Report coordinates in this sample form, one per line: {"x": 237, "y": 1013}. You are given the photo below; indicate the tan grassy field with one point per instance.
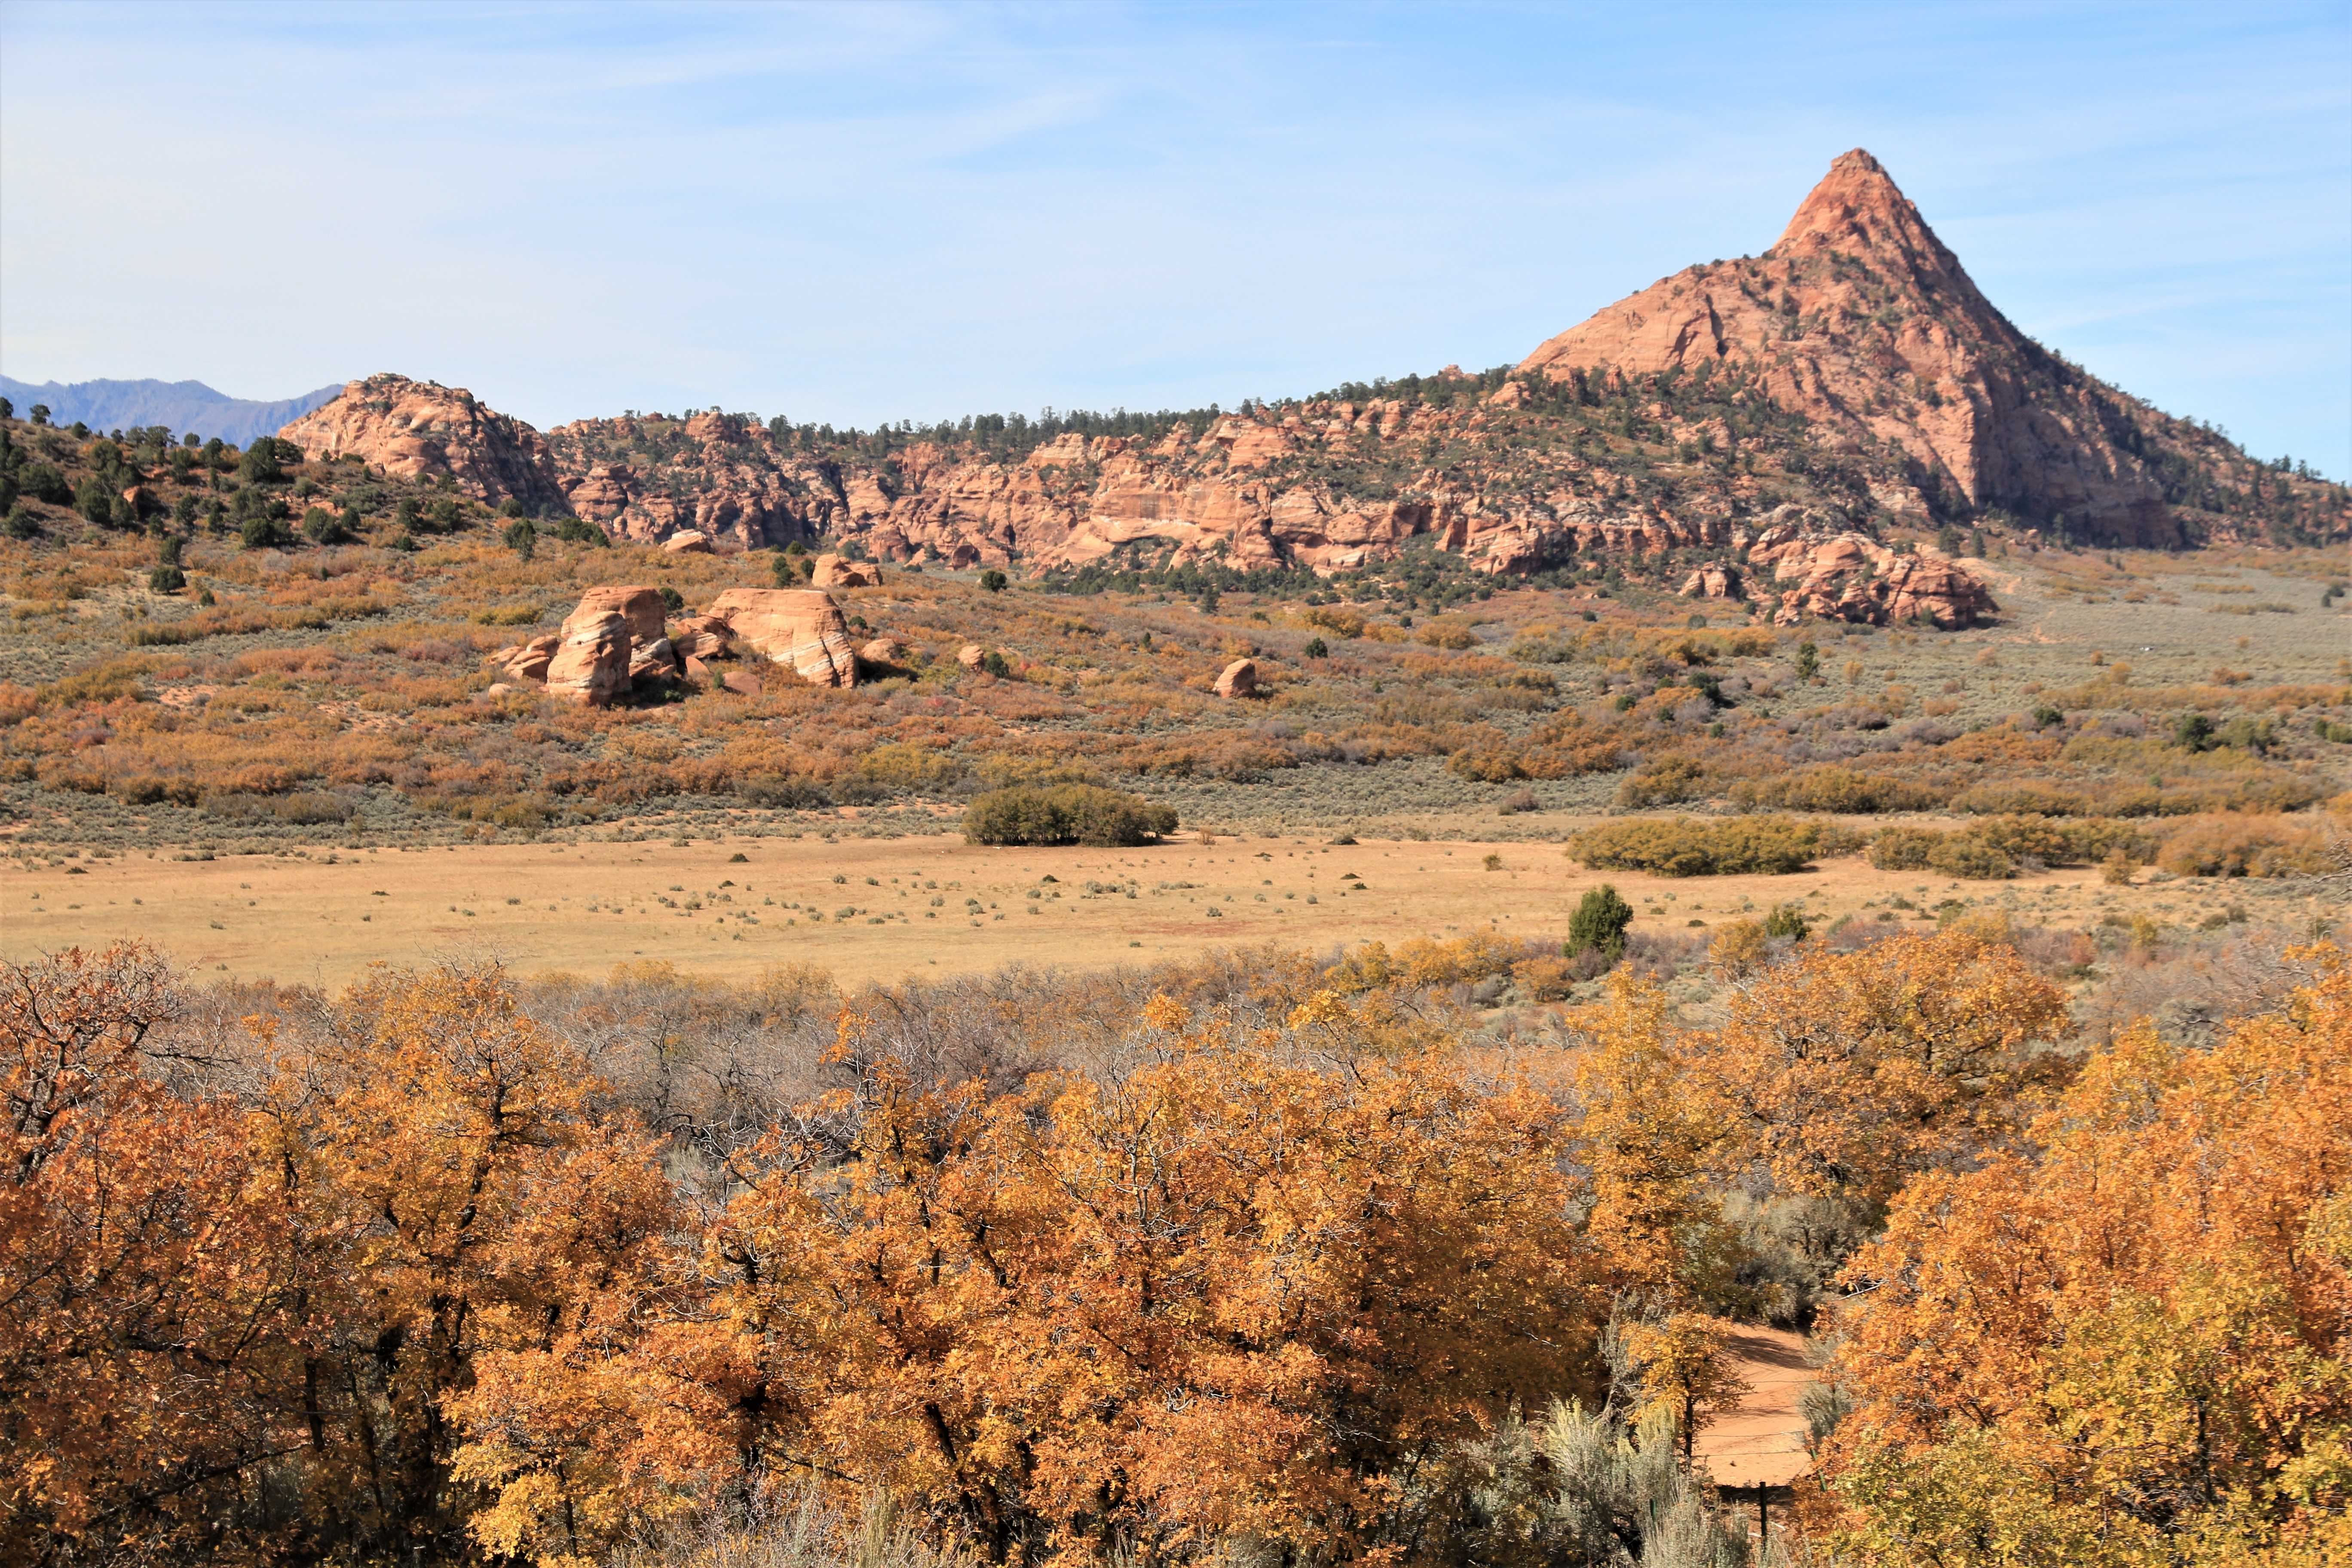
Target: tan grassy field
{"x": 887, "y": 908}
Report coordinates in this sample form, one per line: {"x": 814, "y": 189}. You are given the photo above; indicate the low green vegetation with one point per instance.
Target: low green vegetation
{"x": 1065, "y": 814}
{"x": 1688, "y": 847}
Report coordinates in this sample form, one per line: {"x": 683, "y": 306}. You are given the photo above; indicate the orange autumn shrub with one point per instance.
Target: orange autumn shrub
{"x": 2254, "y": 846}
{"x": 2128, "y": 1343}
{"x": 1230, "y": 1296}
{"x": 1844, "y": 1073}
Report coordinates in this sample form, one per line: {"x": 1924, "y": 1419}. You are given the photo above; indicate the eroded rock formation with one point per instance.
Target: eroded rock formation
{"x": 1850, "y": 576}
{"x": 591, "y": 664}
{"x": 421, "y": 429}
{"x": 1854, "y": 370}
{"x": 616, "y": 637}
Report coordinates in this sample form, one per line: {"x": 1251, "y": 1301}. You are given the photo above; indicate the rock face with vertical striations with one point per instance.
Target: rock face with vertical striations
{"x": 421, "y": 429}
{"x": 799, "y": 628}
{"x": 591, "y": 667}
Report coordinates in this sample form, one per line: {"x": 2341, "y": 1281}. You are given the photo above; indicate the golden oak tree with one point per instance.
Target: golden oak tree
{"x": 2135, "y": 1345}
{"x": 449, "y": 1160}
{"x": 1650, "y": 1129}
{"x": 1686, "y": 1369}
{"x": 1842, "y": 1073}
{"x": 148, "y": 1284}
{"x": 1235, "y": 1294}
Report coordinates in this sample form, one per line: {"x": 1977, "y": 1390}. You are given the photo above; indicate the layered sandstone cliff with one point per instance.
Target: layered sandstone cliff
{"x": 1853, "y": 371}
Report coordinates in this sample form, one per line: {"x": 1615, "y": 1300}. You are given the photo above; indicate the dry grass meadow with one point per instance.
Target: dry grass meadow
{"x": 889, "y": 908}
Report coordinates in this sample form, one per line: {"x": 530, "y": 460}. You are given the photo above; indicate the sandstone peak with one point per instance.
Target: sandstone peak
{"x": 1858, "y": 210}
{"x": 1861, "y": 322}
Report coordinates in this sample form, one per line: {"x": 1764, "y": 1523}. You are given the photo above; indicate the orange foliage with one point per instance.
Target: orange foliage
{"x": 1846, "y": 1072}
{"x": 1230, "y": 1294}
{"x": 151, "y": 1288}
{"x": 2127, "y": 1346}
{"x": 416, "y": 1288}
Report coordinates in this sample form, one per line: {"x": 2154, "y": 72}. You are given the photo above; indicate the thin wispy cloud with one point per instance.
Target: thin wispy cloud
{"x": 867, "y": 212}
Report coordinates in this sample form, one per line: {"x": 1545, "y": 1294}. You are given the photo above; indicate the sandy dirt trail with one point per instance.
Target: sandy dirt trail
{"x": 1762, "y": 1442}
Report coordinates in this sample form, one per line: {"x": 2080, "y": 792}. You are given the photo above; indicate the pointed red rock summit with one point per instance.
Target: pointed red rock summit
{"x": 1861, "y": 320}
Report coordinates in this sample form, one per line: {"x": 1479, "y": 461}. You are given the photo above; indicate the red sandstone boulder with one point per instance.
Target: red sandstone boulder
{"x": 654, "y": 663}
{"x": 529, "y": 661}
{"x": 689, "y": 542}
{"x": 639, "y": 606}
{"x": 1239, "y": 679}
{"x": 799, "y": 627}
{"x": 835, "y": 572}
{"x": 699, "y": 637}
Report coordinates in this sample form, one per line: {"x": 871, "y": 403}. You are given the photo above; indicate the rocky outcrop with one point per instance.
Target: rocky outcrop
{"x": 647, "y": 478}
{"x": 800, "y": 628}
{"x": 971, "y": 656}
{"x": 701, "y": 637}
{"x": 1850, "y": 576}
{"x": 528, "y": 661}
{"x": 1238, "y": 678}
{"x": 653, "y": 663}
{"x": 592, "y": 664}
{"x": 1714, "y": 581}
{"x": 422, "y": 430}
{"x": 691, "y": 542}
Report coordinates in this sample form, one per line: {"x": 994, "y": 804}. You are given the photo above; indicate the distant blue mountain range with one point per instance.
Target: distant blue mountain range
{"x": 185, "y": 406}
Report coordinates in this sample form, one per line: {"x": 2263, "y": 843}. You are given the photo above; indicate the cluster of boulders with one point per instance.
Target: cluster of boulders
{"x": 1850, "y": 576}
{"x": 620, "y": 639}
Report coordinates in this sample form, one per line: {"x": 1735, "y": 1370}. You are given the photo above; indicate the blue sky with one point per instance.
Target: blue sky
{"x": 872, "y": 212}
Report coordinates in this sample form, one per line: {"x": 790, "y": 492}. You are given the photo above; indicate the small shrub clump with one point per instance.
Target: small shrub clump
{"x": 1066, "y": 814}
{"x": 2235, "y": 845}
{"x": 1996, "y": 850}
